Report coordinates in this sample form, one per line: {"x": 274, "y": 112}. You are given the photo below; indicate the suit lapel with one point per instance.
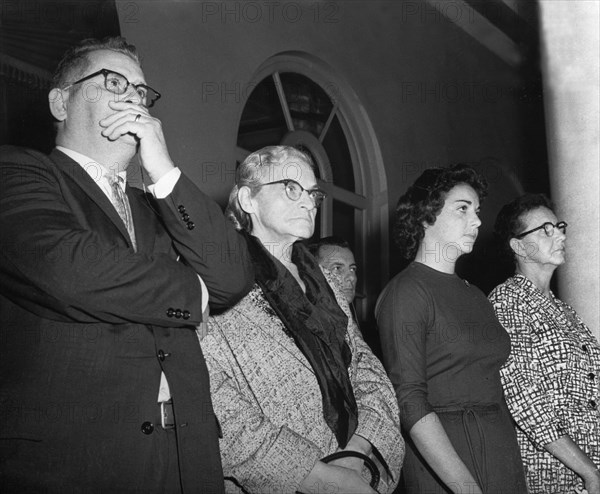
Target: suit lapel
{"x": 72, "y": 170}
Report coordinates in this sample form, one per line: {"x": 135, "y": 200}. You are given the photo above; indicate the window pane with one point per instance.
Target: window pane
{"x": 343, "y": 222}
{"x": 262, "y": 123}
{"x": 309, "y": 105}
{"x": 336, "y": 146}
{"x": 317, "y": 233}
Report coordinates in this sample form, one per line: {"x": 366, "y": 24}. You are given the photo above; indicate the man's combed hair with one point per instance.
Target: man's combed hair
{"x": 509, "y": 222}
{"x": 75, "y": 61}
{"x": 424, "y": 200}
{"x": 332, "y": 241}
{"x": 255, "y": 170}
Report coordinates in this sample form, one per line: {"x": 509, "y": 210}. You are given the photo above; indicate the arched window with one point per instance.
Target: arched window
{"x": 290, "y": 108}
{"x": 295, "y": 100}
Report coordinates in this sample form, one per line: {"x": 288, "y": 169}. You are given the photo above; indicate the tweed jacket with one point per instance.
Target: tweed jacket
{"x": 269, "y": 404}
{"x": 550, "y": 381}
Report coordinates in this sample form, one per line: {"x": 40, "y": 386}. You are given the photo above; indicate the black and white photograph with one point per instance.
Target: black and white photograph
{"x": 300, "y": 246}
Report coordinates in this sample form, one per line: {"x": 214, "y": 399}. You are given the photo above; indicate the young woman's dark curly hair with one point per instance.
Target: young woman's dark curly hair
{"x": 424, "y": 200}
{"x": 509, "y": 221}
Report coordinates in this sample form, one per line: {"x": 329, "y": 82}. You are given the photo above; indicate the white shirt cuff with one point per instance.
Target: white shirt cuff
{"x": 204, "y": 295}
{"x": 165, "y": 184}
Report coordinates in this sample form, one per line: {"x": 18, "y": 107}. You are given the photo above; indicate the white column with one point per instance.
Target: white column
{"x": 570, "y": 54}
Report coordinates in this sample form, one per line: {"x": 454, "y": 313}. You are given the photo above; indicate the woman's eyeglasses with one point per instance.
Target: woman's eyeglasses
{"x": 294, "y": 191}
{"x": 548, "y": 228}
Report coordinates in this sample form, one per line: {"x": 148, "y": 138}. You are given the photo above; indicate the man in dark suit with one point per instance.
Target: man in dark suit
{"x": 103, "y": 386}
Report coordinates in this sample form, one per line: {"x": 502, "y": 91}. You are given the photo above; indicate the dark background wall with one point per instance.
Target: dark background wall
{"x": 433, "y": 89}
{"x": 33, "y": 37}
{"x": 433, "y": 92}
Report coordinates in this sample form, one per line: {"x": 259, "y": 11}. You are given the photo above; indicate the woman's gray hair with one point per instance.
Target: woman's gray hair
{"x": 253, "y": 171}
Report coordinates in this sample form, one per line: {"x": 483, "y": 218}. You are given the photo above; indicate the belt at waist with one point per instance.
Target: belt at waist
{"x": 167, "y": 417}
{"x": 463, "y": 407}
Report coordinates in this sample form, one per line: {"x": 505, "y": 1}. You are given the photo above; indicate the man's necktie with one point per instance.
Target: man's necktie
{"x": 121, "y": 204}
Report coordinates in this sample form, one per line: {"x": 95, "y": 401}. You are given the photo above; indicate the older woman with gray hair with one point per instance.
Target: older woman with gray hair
{"x": 292, "y": 381}
{"x": 551, "y": 376}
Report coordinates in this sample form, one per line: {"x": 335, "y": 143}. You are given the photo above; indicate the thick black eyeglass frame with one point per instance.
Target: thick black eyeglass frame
{"x": 561, "y": 225}
{"x": 318, "y": 200}
{"x": 106, "y": 72}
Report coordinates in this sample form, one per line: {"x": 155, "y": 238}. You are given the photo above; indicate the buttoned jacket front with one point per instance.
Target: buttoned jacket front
{"x": 551, "y": 380}
{"x": 87, "y": 325}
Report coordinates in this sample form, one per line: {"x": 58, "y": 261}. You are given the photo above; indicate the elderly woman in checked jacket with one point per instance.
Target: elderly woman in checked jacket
{"x": 292, "y": 380}
{"x": 551, "y": 377}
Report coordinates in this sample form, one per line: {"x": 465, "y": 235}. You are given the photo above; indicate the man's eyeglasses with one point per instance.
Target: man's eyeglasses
{"x": 118, "y": 84}
{"x": 294, "y": 191}
{"x": 548, "y": 228}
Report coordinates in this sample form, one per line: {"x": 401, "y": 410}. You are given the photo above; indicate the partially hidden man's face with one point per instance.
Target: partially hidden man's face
{"x": 88, "y": 102}
{"x": 340, "y": 261}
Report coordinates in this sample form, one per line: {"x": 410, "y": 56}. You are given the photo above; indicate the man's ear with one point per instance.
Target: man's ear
{"x": 245, "y": 198}
{"x": 58, "y": 101}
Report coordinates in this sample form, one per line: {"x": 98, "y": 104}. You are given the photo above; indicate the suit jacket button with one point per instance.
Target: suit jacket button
{"x": 147, "y": 428}
{"x": 161, "y": 355}
{"x": 186, "y": 314}
{"x": 180, "y": 208}
{"x": 178, "y": 313}
{"x": 170, "y": 312}
{"x": 593, "y": 404}
{"x": 185, "y": 217}
{"x": 190, "y": 225}
{"x": 591, "y": 376}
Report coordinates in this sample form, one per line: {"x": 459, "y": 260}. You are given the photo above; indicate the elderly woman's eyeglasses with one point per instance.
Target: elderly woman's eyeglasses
{"x": 548, "y": 228}
{"x": 118, "y": 84}
{"x": 294, "y": 191}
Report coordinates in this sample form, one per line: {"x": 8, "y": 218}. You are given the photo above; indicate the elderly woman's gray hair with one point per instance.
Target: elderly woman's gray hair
{"x": 255, "y": 170}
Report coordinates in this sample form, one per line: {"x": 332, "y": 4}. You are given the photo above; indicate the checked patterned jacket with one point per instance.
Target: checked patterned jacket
{"x": 551, "y": 381}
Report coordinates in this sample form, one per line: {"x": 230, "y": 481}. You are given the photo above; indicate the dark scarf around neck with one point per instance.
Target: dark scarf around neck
{"x": 318, "y": 326}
